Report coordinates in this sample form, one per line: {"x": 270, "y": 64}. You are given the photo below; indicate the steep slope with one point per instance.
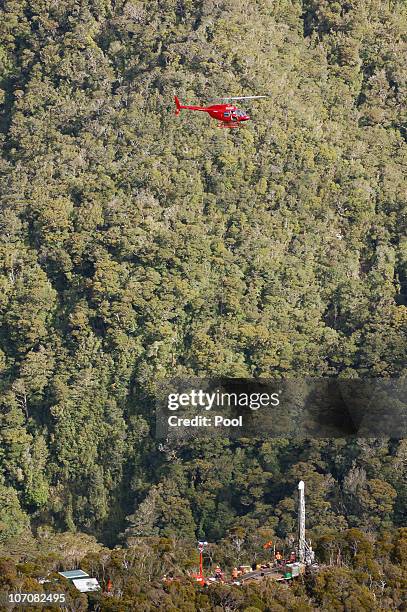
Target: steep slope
{"x": 137, "y": 246}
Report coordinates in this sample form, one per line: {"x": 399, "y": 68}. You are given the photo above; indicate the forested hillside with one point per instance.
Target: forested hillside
{"x": 137, "y": 246}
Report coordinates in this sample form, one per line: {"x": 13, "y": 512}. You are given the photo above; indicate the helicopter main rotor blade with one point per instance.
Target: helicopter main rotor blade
{"x": 240, "y": 98}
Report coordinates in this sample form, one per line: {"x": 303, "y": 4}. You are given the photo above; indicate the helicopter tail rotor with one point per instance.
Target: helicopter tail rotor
{"x": 178, "y": 105}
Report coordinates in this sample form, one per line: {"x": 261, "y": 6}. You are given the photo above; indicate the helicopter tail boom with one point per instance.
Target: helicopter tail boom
{"x": 180, "y": 106}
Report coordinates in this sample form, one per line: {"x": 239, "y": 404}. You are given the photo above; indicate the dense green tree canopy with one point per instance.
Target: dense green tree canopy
{"x": 137, "y": 246}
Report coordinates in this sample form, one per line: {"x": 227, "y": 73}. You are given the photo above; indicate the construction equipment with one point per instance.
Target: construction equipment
{"x": 284, "y": 568}
{"x": 200, "y": 577}
{"x": 305, "y": 553}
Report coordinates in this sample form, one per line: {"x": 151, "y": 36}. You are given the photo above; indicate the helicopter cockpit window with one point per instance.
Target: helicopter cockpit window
{"x": 226, "y": 114}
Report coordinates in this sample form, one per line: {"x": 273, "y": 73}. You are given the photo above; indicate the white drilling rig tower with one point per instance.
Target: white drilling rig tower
{"x": 305, "y": 553}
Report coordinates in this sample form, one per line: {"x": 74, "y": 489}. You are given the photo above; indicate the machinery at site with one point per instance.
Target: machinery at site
{"x": 278, "y": 569}
{"x": 305, "y": 553}
{"x": 288, "y": 569}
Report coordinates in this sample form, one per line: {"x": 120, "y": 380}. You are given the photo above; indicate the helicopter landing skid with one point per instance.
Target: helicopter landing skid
{"x": 223, "y": 125}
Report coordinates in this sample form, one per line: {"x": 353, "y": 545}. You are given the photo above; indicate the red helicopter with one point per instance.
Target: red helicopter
{"x": 228, "y": 115}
